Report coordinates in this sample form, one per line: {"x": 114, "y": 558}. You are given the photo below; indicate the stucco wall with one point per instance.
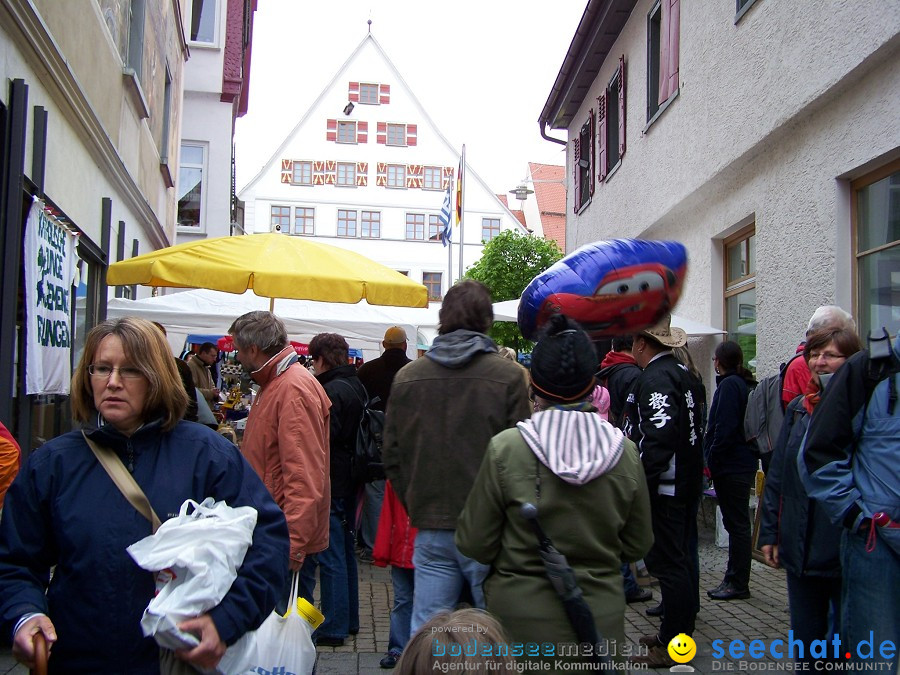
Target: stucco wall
{"x": 773, "y": 115}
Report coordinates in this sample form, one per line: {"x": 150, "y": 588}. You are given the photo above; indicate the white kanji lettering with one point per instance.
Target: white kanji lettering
{"x": 689, "y": 399}
{"x": 659, "y": 402}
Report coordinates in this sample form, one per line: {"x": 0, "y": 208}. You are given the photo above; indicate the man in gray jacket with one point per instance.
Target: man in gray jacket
{"x": 444, "y": 410}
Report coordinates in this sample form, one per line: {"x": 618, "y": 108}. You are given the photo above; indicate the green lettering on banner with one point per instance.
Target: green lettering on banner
{"x": 52, "y": 333}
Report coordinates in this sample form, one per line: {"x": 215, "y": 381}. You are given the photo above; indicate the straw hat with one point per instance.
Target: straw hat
{"x": 394, "y": 335}
{"x": 665, "y": 334}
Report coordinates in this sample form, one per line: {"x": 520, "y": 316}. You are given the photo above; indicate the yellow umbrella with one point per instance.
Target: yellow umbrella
{"x": 274, "y": 266}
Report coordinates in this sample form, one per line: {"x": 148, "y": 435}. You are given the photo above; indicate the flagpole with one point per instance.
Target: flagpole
{"x": 450, "y": 246}
{"x": 462, "y": 205}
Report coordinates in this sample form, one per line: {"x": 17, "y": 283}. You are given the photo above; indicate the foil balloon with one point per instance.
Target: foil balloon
{"x": 610, "y": 287}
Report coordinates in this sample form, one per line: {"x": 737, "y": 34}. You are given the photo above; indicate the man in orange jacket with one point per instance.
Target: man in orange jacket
{"x": 10, "y": 458}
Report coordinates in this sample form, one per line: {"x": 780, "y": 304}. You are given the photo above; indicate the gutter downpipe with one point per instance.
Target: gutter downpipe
{"x": 543, "y": 126}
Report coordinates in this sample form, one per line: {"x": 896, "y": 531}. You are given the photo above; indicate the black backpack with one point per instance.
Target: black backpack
{"x": 366, "y": 464}
{"x": 765, "y": 412}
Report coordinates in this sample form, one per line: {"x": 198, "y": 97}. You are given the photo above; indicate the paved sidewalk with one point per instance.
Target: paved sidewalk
{"x": 764, "y": 616}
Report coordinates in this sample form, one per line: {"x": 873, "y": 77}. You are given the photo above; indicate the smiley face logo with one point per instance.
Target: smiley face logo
{"x": 682, "y": 648}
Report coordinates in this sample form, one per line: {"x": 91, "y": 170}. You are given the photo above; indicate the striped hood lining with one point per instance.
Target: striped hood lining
{"x": 576, "y": 446}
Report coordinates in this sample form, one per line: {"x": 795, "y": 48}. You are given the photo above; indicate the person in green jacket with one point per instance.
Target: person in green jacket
{"x": 588, "y": 484}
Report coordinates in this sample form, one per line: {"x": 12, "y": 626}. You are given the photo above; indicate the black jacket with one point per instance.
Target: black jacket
{"x": 663, "y": 417}
{"x": 618, "y": 380}
{"x": 347, "y": 397}
{"x": 378, "y": 374}
{"x": 808, "y": 543}
{"x": 725, "y": 447}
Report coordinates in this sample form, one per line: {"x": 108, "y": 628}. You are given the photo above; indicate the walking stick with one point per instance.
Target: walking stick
{"x": 40, "y": 654}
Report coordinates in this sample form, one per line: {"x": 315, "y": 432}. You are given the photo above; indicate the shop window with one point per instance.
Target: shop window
{"x": 876, "y": 213}
{"x": 191, "y": 192}
{"x": 740, "y": 292}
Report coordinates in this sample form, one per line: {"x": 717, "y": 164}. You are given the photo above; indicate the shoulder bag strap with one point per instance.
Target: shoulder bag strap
{"x": 110, "y": 461}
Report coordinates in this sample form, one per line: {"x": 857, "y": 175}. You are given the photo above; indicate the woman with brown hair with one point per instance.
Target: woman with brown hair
{"x": 64, "y": 511}
{"x": 795, "y": 532}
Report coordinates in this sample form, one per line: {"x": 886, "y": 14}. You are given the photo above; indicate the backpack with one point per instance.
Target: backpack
{"x": 366, "y": 464}
{"x": 765, "y": 412}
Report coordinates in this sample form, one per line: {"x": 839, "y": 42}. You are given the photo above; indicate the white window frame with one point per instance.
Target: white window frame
{"x": 189, "y": 15}
{"x": 204, "y": 183}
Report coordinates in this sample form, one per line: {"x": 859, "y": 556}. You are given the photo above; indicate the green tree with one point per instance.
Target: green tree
{"x": 508, "y": 264}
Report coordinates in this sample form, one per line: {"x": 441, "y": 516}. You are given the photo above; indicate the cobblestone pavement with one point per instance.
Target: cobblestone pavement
{"x": 764, "y": 616}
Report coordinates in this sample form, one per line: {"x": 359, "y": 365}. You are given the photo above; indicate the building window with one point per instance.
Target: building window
{"x": 611, "y": 123}
{"x": 396, "y": 176}
{"x": 304, "y": 220}
{"x": 490, "y": 228}
{"x": 135, "y": 50}
{"x": 415, "y": 226}
{"x": 302, "y": 173}
{"x": 435, "y": 227}
{"x": 203, "y": 21}
{"x": 583, "y": 160}
{"x": 346, "y": 223}
{"x": 740, "y": 292}
{"x": 280, "y": 219}
{"x": 368, "y": 93}
{"x": 663, "y": 25}
{"x": 432, "y": 281}
{"x": 346, "y": 132}
{"x": 877, "y": 219}
{"x": 191, "y": 197}
{"x": 346, "y": 174}
{"x": 165, "y": 137}
{"x": 434, "y": 178}
{"x": 396, "y": 134}
{"x": 370, "y": 224}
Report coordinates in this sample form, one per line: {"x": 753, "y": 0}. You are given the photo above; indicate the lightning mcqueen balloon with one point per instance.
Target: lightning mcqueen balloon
{"x": 610, "y": 287}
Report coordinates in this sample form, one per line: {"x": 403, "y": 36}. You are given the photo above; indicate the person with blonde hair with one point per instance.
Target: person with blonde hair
{"x": 469, "y": 640}
{"x": 64, "y": 512}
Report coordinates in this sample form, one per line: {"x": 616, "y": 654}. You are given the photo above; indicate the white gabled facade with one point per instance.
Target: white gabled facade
{"x": 396, "y": 165}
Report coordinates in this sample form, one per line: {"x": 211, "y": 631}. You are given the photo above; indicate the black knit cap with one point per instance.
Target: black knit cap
{"x": 563, "y": 362}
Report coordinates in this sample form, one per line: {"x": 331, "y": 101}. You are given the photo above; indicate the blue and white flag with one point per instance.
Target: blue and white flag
{"x": 445, "y": 216}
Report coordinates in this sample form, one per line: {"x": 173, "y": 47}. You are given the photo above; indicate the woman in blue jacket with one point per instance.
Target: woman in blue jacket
{"x": 732, "y": 465}
{"x": 795, "y": 531}
{"x": 64, "y": 511}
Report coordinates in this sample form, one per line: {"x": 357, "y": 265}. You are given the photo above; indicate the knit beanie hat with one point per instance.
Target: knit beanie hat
{"x": 563, "y": 362}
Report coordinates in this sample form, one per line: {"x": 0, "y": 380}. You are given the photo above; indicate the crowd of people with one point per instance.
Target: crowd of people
{"x": 489, "y": 469}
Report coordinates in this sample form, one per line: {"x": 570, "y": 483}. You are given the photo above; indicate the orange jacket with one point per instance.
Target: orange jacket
{"x": 286, "y": 442}
{"x": 10, "y": 457}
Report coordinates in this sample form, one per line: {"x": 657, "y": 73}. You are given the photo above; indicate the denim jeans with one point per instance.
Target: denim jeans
{"x": 815, "y": 611}
{"x": 403, "y": 583}
{"x": 629, "y": 582}
{"x": 440, "y": 572}
{"x": 869, "y": 596}
{"x": 733, "y": 494}
{"x": 337, "y": 574}
{"x": 672, "y": 561}
{"x": 369, "y": 512}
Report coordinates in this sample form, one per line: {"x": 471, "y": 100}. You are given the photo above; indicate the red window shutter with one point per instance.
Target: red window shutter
{"x": 592, "y": 120}
{"x": 411, "y": 134}
{"x": 381, "y": 134}
{"x": 576, "y": 158}
{"x": 331, "y": 133}
{"x": 362, "y": 132}
{"x": 353, "y": 92}
{"x": 287, "y": 170}
{"x": 384, "y": 94}
{"x": 601, "y": 133}
{"x": 621, "y": 106}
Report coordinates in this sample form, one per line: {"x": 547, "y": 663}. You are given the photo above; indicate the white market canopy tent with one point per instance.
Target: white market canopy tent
{"x": 508, "y": 310}
{"x": 212, "y": 312}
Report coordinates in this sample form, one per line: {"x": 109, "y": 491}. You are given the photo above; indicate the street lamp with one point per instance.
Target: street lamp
{"x": 521, "y": 192}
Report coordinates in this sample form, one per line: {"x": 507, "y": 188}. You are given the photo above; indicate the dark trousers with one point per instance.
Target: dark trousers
{"x": 733, "y": 494}
{"x": 815, "y": 610}
{"x": 673, "y": 561}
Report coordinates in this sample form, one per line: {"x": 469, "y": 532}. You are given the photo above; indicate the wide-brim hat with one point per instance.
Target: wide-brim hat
{"x": 665, "y": 333}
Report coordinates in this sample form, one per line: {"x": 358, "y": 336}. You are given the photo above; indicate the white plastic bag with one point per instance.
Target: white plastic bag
{"x": 284, "y": 643}
{"x": 196, "y": 556}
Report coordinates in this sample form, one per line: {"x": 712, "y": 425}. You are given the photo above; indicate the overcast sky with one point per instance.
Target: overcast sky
{"x": 482, "y": 69}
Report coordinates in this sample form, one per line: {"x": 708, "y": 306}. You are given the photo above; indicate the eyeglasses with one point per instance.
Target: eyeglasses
{"x": 105, "y": 372}
{"x": 828, "y": 356}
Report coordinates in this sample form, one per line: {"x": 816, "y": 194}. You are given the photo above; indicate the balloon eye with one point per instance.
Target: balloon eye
{"x": 644, "y": 286}
{"x": 622, "y": 289}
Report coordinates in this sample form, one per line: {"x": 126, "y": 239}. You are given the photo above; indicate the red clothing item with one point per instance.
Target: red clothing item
{"x": 612, "y": 358}
{"x": 10, "y": 458}
{"x": 796, "y": 377}
{"x": 395, "y": 541}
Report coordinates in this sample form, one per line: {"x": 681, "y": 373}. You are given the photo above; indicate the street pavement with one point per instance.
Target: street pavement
{"x": 764, "y": 616}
